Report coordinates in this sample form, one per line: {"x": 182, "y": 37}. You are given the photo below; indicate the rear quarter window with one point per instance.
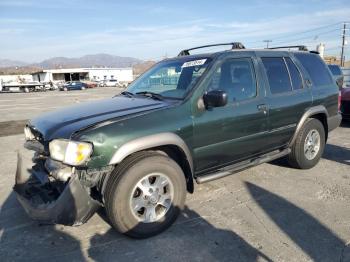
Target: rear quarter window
{"x": 277, "y": 74}
{"x": 335, "y": 70}
{"x": 316, "y": 69}
{"x": 294, "y": 73}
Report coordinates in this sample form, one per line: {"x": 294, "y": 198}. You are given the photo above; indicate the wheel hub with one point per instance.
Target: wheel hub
{"x": 312, "y": 144}
{"x": 151, "y": 197}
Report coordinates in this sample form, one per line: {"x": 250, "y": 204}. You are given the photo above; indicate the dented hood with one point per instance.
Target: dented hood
{"x": 63, "y": 123}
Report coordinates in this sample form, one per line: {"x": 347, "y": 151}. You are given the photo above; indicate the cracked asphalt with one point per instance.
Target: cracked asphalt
{"x": 267, "y": 213}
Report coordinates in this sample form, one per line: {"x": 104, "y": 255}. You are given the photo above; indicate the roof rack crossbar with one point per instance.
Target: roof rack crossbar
{"x": 235, "y": 45}
{"x": 300, "y": 47}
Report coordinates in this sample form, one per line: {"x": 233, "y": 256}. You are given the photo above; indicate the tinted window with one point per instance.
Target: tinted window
{"x": 295, "y": 76}
{"x": 335, "y": 70}
{"x": 316, "y": 68}
{"x": 277, "y": 74}
{"x": 237, "y": 78}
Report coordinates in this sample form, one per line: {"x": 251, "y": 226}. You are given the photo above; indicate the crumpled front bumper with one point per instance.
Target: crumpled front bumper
{"x": 72, "y": 205}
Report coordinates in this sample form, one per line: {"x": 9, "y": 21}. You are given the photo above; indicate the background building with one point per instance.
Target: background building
{"x": 123, "y": 75}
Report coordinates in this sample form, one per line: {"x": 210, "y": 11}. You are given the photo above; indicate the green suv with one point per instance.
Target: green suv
{"x": 192, "y": 118}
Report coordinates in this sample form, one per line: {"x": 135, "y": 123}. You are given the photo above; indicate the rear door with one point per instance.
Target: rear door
{"x": 224, "y": 135}
{"x": 287, "y": 97}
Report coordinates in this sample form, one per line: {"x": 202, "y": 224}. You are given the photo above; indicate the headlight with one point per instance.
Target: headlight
{"x": 70, "y": 152}
{"x": 28, "y": 134}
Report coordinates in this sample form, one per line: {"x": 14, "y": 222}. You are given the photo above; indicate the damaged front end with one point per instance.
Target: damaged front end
{"x": 52, "y": 192}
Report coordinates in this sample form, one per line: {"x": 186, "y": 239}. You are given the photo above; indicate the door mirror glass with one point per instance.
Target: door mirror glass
{"x": 215, "y": 98}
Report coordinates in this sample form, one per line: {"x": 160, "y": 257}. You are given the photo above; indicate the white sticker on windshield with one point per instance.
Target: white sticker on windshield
{"x": 194, "y": 63}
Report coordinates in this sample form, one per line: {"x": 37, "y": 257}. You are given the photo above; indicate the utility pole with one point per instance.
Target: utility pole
{"x": 267, "y": 42}
{"x": 342, "y": 58}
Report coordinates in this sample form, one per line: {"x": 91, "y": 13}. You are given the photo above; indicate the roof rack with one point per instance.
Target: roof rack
{"x": 300, "y": 47}
{"x": 235, "y": 45}
{"x": 314, "y": 52}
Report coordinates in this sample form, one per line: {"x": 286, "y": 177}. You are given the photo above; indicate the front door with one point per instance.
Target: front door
{"x": 225, "y": 135}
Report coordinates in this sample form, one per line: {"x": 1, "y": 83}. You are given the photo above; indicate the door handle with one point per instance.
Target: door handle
{"x": 263, "y": 108}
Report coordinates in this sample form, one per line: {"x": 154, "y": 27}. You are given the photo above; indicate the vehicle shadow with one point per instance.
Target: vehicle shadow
{"x": 282, "y": 162}
{"x": 337, "y": 153}
{"x": 331, "y": 152}
{"x": 345, "y": 123}
{"x": 192, "y": 237}
{"x": 315, "y": 239}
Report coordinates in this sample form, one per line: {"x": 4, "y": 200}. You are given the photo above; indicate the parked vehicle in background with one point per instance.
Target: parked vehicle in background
{"x": 101, "y": 83}
{"x": 345, "y": 103}
{"x": 51, "y": 85}
{"x": 111, "y": 83}
{"x": 90, "y": 84}
{"x": 73, "y": 86}
{"x": 344, "y": 91}
{"x": 338, "y": 74}
{"x": 192, "y": 118}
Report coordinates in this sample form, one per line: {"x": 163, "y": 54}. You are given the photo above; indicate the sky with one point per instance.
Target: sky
{"x": 34, "y": 30}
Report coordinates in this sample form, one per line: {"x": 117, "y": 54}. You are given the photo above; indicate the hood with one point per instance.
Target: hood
{"x": 345, "y": 94}
{"x": 63, "y": 123}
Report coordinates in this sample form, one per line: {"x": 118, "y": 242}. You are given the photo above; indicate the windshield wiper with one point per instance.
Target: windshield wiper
{"x": 128, "y": 94}
{"x": 151, "y": 94}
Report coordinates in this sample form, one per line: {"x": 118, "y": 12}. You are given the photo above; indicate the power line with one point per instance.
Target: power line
{"x": 291, "y": 38}
{"x": 310, "y": 36}
{"x": 308, "y": 31}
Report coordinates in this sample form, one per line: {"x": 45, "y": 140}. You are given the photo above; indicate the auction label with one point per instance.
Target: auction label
{"x": 194, "y": 63}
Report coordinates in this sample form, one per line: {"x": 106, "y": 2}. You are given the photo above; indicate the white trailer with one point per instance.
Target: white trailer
{"x": 16, "y": 87}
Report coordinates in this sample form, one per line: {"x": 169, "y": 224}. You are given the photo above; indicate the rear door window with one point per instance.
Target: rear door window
{"x": 316, "y": 68}
{"x": 295, "y": 76}
{"x": 277, "y": 74}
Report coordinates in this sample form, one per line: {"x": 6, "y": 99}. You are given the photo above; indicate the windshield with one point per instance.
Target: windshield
{"x": 171, "y": 79}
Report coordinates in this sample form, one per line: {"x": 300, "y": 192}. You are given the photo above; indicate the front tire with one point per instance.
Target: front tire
{"x": 308, "y": 146}
{"x": 145, "y": 194}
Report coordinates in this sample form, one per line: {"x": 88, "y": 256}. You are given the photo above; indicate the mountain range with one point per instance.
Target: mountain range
{"x": 96, "y": 60}
{"x": 11, "y": 63}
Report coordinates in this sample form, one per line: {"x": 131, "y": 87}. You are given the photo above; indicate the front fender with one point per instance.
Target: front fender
{"x": 151, "y": 141}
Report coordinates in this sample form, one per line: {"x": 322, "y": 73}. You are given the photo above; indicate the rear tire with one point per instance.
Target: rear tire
{"x": 308, "y": 146}
{"x": 145, "y": 194}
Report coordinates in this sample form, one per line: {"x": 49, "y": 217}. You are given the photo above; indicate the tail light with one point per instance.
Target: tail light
{"x": 339, "y": 100}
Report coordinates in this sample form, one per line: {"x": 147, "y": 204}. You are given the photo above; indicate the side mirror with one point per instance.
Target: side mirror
{"x": 340, "y": 81}
{"x": 215, "y": 98}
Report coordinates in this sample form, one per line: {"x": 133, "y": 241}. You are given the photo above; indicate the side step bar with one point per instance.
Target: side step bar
{"x": 242, "y": 165}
